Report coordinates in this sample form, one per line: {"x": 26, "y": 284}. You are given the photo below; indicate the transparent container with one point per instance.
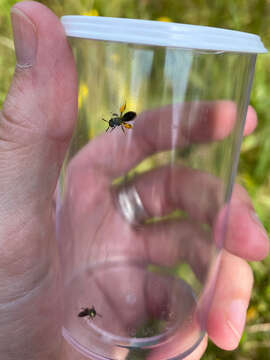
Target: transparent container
{"x": 145, "y": 188}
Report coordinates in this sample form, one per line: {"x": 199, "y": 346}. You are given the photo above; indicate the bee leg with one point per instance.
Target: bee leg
{"x": 105, "y": 120}
{"x": 122, "y": 127}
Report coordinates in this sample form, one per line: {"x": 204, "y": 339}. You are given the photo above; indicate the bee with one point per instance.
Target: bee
{"x": 90, "y": 312}
{"x": 121, "y": 120}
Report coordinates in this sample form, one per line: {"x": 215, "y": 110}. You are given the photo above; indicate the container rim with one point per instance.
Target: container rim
{"x": 157, "y": 33}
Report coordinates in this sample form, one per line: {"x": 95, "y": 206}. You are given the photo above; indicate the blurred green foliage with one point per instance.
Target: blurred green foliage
{"x": 254, "y": 167}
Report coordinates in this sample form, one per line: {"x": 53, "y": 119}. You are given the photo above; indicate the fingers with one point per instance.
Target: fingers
{"x": 35, "y": 125}
{"x": 39, "y": 112}
{"x": 175, "y": 347}
{"x": 165, "y": 189}
{"x": 245, "y": 235}
{"x": 169, "y": 243}
{"x": 251, "y": 121}
{"x": 227, "y": 314}
{"x": 199, "y": 351}
{"x": 166, "y": 128}
{"x": 201, "y": 196}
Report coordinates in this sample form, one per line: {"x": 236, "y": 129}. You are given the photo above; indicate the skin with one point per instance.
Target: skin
{"x": 36, "y": 124}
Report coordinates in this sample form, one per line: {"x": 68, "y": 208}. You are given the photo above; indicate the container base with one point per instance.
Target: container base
{"x": 138, "y": 311}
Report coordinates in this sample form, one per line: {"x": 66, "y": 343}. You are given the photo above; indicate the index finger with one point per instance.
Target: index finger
{"x": 169, "y": 127}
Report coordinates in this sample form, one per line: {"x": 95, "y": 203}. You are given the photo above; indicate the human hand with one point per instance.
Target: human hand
{"x": 35, "y": 130}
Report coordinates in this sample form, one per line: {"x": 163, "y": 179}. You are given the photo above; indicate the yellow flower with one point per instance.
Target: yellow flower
{"x": 83, "y": 93}
{"x": 164, "y": 19}
{"x": 92, "y": 12}
{"x": 251, "y": 313}
{"x": 115, "y": 58}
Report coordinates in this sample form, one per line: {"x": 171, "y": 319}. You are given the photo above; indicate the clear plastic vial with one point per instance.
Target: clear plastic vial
{"x": 145, "y": 188}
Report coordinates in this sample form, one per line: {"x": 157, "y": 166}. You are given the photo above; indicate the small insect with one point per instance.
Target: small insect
{"x": 121, "y": 120}
{"x": 90, "y": 312}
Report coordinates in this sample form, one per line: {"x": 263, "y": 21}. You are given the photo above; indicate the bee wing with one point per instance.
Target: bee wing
{"x": 123, "y": 108}
{"x": 82, "y": 313}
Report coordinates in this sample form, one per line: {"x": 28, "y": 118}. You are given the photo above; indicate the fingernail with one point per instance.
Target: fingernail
{"x": 257, "y": 221}
{"x": 25, "y": 39}
{"x": 237, "y": 317}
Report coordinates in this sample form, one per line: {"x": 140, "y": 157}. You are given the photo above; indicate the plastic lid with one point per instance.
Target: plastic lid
{"x": 159, "y": 33}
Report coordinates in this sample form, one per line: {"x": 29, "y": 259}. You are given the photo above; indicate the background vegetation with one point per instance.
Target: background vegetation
{"x": 254, "y": 168}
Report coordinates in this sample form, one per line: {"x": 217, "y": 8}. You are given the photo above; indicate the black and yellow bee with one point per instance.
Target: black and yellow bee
{"x": 121, "y": 120}
{"x": 90, "y": 312}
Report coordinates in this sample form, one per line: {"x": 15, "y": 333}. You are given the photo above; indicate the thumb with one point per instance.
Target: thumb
{"x": 39, "y": 112}
{"x": 36, "y": 123}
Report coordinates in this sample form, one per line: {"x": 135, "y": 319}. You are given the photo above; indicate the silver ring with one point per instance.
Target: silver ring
{"x": 130, "y": 205}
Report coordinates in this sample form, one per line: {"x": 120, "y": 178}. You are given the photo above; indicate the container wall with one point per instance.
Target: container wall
{"x": 145, "y": 191}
